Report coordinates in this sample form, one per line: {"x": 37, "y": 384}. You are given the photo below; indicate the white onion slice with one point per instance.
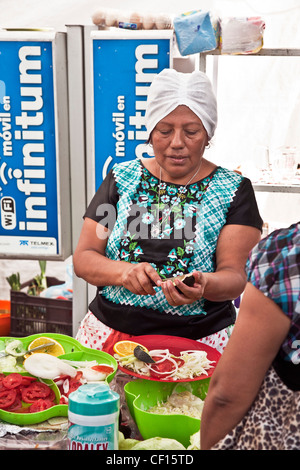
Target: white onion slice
{"x": 92, "y": 375}
{"x": 46, "y": 366}
{"x": 66, "y": 386}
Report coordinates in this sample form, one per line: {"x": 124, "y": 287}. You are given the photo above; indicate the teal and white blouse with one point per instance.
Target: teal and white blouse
{"x": 176, "y": 229}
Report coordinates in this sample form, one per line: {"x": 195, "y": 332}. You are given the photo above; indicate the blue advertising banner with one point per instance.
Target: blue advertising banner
{"x": 29, "y": 206}
{"x": 123, "y": 69}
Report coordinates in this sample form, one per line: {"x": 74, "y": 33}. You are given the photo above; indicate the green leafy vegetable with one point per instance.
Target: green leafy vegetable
{"x": 158, "y": 443}
{"x": 14, "y": 281}
{"x": 194, "y": 441}
{"x": 127, "y": 444}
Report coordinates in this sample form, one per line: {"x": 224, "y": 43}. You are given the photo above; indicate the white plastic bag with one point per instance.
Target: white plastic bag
{"x": 241, "y": 35}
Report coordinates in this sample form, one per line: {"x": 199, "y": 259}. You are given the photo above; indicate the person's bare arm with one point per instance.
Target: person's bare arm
{"x": 229, "y": 279}
{"x": 260, "y": 329}
{"x": 91, "y": 264}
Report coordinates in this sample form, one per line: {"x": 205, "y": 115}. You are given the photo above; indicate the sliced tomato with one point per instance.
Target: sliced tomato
{"x": 40, "y": 405}
{"x": 161, "y": 369}
{"x": 7, "y": 398}
{"x": 75, "y": 382}
{"x": 27, "y": 380}
{"x": 78, "y": 375}
{"x": 103, "y": 368}
{"x": 63, "y": 400}
{"x": 13, "y": 380}
{"x": 16, "y": 405}
{"x": 51, "y": 395}
{"x": 15, "y": 388}
{"x": 180, "y": 362}
{"x": 2, "y": 376}
{"x": 34, "y": 391}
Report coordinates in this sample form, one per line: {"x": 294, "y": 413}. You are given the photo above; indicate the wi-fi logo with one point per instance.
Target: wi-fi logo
{"x": 2, "y": 174}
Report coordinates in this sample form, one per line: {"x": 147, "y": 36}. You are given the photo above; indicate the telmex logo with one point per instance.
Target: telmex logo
{"x": 8, "y": 213}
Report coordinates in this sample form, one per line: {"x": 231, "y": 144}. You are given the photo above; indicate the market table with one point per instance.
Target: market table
{"x": 53, "y": 433}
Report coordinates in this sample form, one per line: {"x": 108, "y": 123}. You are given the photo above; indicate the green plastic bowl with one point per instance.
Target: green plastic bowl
{"x": 143, "y": 394}
{"x": 74, "y": 351}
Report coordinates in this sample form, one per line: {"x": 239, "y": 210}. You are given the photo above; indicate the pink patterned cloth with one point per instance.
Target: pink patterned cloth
{"x": 92, "y": 333}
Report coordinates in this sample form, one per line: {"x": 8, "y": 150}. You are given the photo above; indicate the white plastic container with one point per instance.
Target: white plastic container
{"x": 93, "y": 416}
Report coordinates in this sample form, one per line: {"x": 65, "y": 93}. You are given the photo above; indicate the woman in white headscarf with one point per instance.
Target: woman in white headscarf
{"x": 173, "y": 214}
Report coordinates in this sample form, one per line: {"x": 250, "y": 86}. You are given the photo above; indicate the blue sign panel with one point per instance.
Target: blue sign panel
{"x": 123, "y": 72}
{"x": 28, "y": 173}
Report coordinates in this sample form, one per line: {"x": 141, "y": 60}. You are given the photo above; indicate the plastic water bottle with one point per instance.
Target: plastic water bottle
{"x": 93, "y": 416}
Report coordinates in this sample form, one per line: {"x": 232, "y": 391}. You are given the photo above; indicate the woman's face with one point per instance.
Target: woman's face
{"x": 179, "y": 141}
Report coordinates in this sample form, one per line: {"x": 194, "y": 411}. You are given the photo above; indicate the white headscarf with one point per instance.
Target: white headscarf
{"x": 170, "y": 89}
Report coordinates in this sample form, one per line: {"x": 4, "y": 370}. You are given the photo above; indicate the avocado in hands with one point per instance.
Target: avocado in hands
{"x": 187, "y": 279}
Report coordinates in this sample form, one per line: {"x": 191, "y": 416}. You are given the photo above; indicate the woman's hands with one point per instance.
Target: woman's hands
{"x": 181, "y": 294}
{"x": 140, "y": 278}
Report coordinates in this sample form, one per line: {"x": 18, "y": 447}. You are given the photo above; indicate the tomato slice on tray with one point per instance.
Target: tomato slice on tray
{"x": 7, "y": 398}
{"x": 12, "y": 380}
{"x": 75, "y": 382}
{"x": 16, "y": 405}
{"x": 165, "y": 367}
{"x": 103, "y": 368}
{"x": 24, "y": 394}
{"x": 35, "y": 391}
{"x": 40, "y": 405}
{"x": 27, "y": 380}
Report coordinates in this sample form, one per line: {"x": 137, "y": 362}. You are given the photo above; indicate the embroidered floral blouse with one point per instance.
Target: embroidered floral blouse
{"x": 173, "y": 227}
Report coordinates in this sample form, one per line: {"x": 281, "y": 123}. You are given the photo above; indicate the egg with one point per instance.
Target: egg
{"x": 122, "y": 18}
{"x": 111, "y": 18}
{"x": 98, "y": 17}
{"x": 136, "y": 18}
{"x": 148, "y": 21}
{"x": 163, "y": 21}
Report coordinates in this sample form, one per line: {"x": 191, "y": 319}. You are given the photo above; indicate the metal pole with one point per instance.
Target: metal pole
{"x": 77, "y": 157}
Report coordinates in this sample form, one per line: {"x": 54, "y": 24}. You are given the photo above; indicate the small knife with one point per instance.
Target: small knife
{"x": 4, "y": 354}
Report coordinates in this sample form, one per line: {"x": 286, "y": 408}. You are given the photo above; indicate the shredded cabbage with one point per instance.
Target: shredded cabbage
{"x": 183, "y": 403}
{"x": 195, "y": 364}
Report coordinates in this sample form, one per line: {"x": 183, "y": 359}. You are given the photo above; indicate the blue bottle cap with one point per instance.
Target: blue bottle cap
{"x": 94, "y": 399}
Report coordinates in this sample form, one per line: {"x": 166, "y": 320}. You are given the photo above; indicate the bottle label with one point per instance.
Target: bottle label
{"x": 89, "y": 438}
{"x": 93, "y": 432}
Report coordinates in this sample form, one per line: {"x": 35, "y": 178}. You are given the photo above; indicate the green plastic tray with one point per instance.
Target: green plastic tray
{"x": 143, "y": 394}
{"x": 73, "y": 351}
